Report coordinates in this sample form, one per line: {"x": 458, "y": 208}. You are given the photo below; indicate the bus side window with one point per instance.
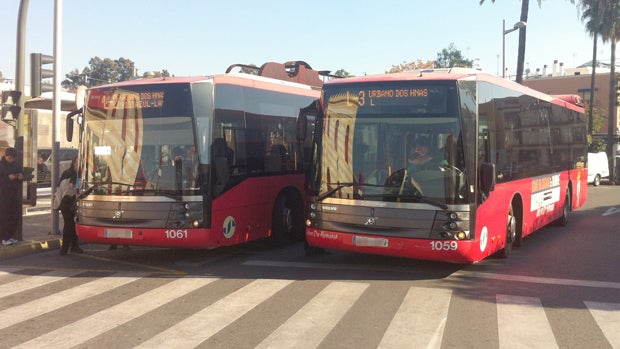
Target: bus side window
{"x": 222, "y": 162}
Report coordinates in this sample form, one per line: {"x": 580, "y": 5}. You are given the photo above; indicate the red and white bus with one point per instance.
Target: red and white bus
{"x": 501, "y": 161}
{"x": 197, "y": 162}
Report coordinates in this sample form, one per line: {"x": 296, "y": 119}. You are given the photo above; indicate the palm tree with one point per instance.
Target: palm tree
{"x": 525, "y": 6}
{"x": 602, "y": 19}
{"x": 593, "y": 15}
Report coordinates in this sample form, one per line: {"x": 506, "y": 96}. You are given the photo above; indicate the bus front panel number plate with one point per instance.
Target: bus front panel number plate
{"x": 118, "y": 233}
{"x": 372, "y": 242}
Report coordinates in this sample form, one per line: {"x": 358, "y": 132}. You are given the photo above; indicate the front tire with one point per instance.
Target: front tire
{"x": 287, "y": 221}
{"x": 597, "y": 180}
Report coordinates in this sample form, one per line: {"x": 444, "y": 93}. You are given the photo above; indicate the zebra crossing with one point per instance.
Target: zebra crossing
{"x": 154, "y": 311}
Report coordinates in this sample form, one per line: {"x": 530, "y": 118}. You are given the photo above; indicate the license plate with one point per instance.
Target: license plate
{"x": 366, "y": 241}
{"x": 118, "y": 233}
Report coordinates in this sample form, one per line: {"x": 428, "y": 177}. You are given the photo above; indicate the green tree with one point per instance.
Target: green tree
{"x": 593, "y": 15}
{"x": 405, "y": 66}
{"x": 342, "y": 73}
{"x": 525, "y": 7}
{"x": 104, "y": 70}
{"x": 451, "y": 57}
{"x": 602, "y": 17}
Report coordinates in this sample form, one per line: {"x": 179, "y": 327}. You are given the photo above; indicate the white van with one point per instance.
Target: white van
{"x": 598, "y": 167}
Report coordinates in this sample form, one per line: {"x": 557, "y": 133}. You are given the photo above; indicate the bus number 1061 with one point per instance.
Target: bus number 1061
{"x": 176, "y": 234}
{"x": 444, "y": 245}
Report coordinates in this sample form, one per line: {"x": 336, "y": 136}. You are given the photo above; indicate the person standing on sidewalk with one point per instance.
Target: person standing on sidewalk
{"x": 11, "y": 177}
{"x": 67, "y": 208}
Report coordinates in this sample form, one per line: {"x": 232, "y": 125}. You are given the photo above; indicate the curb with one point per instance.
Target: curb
{"x": 23, "y": 248}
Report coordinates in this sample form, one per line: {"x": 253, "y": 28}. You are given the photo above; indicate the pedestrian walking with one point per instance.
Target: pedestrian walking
{"x": 11, "y": 177}
{"x": 68, "y": 194}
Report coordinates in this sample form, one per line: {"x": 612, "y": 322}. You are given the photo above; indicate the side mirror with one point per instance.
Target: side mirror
{"x": 69, "y": 123}
{"x": 487, "y": 177}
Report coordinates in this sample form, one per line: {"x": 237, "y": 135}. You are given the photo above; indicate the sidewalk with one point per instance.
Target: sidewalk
{"x": 36, "y": 226}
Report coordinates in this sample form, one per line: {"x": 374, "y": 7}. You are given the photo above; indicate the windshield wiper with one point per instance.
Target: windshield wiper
{"x": 425, "y": 200}
{"x": 335, "y": 189}
{"x": 160, "y": 192}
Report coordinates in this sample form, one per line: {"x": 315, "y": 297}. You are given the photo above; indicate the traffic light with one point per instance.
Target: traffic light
{"x": 38, "y": 73}
{"x": 10, "y": 105}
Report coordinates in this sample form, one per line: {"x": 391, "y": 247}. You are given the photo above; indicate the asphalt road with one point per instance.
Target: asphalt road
{"x": 560, "y": 289}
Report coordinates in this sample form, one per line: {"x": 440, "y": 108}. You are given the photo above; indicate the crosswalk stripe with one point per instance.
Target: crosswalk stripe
{"x": 201, "y": 326}
{"x": 89, "y": 327}
{"x": 31, "y": 282}
{"x": 522, "y": 323}
{"x": 607, "y": 316}
{"x": 58, "y": 300}
{"x": 420, "y": 320}
{"x": 7, "y": 271}
{"x": 309, "y": 326}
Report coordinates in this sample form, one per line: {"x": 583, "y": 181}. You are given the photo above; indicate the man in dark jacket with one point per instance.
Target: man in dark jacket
{"x": 67, "y": 208}
{"x": 11, "y": 177}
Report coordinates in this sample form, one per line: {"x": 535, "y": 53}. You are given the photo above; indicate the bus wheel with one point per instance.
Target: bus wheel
{"x": 511, "y": 233}
{"x": 563, "y": 220}
{"x": 283, "y": 221}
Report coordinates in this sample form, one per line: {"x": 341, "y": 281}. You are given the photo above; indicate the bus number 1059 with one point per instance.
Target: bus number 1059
{"x": 444, "y": 245}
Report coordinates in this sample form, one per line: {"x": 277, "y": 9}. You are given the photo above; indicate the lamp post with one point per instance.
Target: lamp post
{"x": 505, "y": 31}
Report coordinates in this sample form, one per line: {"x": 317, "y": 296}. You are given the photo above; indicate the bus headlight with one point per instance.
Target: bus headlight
{"x": 308, "y": 223}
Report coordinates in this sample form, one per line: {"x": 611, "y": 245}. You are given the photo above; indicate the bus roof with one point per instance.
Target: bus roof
{"x": 294, "y": 74}
{"x": 455, "y": 74}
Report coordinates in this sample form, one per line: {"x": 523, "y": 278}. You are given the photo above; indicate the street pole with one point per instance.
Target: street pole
{"x": 503, "y": 48}
{"x": 56, "y": 110}
{"x": 20, "y": 53}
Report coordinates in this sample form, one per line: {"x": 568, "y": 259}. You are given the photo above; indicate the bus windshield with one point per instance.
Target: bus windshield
{"x": 139, "y": 138}
{"x": 397, "y": 142}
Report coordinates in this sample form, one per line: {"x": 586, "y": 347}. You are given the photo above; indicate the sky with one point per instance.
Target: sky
{"x": 204, "y": 37}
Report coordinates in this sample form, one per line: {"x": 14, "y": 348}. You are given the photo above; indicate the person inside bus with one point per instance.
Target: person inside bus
{"x": 419, "y": 155}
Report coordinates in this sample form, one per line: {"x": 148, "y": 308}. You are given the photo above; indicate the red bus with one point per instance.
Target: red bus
{"x": 197, "y": 162}
{"x": 442, "y": 165}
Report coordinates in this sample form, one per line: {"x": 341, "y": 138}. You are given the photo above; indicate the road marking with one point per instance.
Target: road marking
{"x": 309, "y": 326}
{"x": 139, "y": 265}
{"x": 420, "y": 319}
{"x": 458, "y": 274}
{"x": 522, "y": 323}
{"x": 31, "y": 282}
{"x": 61, "y": 299}
{"x": 607, "y": 316}
{"x": 538, "y": 279}
{"x": 89, "y": 327}
{"x": 610, "y": 211}
{"x": 202, "y": 325}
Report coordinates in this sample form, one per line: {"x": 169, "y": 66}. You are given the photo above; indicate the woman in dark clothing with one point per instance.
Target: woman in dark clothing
{"x": 67, "y": 208}
{"x": 11, "y": 177}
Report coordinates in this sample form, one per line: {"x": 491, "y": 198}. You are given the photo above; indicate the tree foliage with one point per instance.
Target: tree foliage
{"x": 342, "y": 73}
{"x": 451, "y": 57}
{"x": 405, "y": 66}
{"x": 103, "y": 71}
{"x": 447, "y": 58}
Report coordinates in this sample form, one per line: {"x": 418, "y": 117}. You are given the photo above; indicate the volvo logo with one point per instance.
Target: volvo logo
{"x": 118, "y": 214}
{"x": 371, "y": 220}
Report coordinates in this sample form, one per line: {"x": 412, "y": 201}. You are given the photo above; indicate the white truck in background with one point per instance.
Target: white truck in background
{"x": 598, "y": 167}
